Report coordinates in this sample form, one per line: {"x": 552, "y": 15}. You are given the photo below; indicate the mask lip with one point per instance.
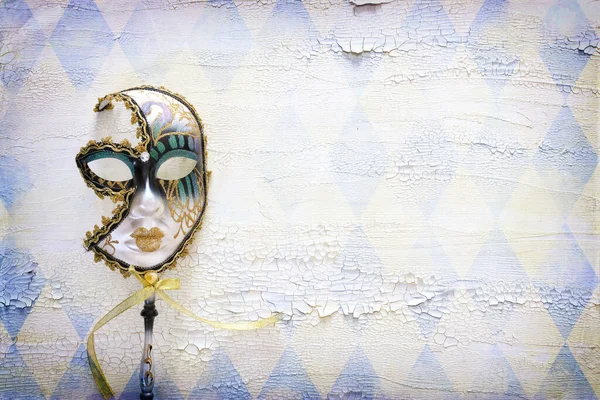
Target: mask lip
{"x": 92, "y": 241}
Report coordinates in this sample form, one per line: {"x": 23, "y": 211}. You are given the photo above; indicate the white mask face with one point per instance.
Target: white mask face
{"x": 162, "y": 182}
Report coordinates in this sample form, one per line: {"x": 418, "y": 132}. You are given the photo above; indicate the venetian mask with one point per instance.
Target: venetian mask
{"x": 158, "y": 185}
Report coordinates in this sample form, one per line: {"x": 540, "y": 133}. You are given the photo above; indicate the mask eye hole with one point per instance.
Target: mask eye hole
{"x": 110, "y": 167}
{"x": 176, "y": 167}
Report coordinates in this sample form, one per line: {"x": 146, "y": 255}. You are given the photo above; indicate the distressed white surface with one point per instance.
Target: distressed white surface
{"x": 382, "y": 175}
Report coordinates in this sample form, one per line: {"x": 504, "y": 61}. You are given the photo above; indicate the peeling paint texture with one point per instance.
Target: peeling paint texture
{"x": 411, "y": 184}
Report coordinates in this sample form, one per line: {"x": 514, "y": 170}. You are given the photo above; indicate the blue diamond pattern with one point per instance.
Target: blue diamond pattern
{"x": 14, "y": 14}
{"x": 428, "y": 164}
{"x": 432, "y": 190}
{"x": 292, "y": 147}
{"x": 221, "y": 39}
{"x": 358, "y": 160}
{"x": 77, "y": 379}
{"x": 565, "y": 306}
{"x": 428, "y": 376}
{"x": 497, "y": 261}
{"x": 566, "y": 302}
{"x": 514, "y": 389}
{"x": 501, "y": 369}
{"x": 288, "y": 377}
{"x": 151, "y": 54}
{"x": 360, "y": 269}
{"x": 14, "y": 179}
{"x": 132, "y": 389}
{"x": 358, "y": 379}
{"x": 566, "y": 380}
{"x": 495, "y": 62}
{"x": 223, "y": 381}
{"x": 81, "y": 41}
{"x": 21, "y": 42}
{"x": 566, "y": 149}
{"x": 289, "y": 19}
{"x": 82, "y": 317}
{"x": 427, "y": 25}
{"x": 166, "y": 388}
{"x": 496, "y": 160}
{"x": 359, "y": 70}
{"x": 16, "y": 379}
{"x": 565, "y": 57}
{"x": 439, "y": 258}
{"x": 568, "y": 264}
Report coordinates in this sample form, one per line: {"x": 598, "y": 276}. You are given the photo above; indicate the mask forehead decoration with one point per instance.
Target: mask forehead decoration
{"x": 159, "y": 185}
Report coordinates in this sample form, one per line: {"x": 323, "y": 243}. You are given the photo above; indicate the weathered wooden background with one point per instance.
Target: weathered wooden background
{"x": 412, "y": 183}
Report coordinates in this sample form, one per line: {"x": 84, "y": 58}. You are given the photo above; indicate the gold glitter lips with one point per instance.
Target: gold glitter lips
{"x": 148, "y": 240}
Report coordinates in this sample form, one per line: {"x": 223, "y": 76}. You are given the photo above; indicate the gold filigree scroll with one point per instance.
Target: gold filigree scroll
{"x": 185, "y": 213}
{"x": 109, "y": 244}
{"x": 137, "y": 117}
{"x": 93, "y": 237}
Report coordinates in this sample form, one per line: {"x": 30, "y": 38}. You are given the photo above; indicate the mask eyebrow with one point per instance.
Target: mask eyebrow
{"x": 176, "y": 153}
{"x": 176, "y": 141}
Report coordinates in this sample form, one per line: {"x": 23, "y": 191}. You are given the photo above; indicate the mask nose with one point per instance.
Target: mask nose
{"x": 147, "y": 203}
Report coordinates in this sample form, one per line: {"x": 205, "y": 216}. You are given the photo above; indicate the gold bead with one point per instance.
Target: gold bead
{"x": 151, "y": 277}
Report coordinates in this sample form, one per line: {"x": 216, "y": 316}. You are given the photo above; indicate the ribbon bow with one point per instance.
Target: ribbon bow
{"x": 153, "y": 285}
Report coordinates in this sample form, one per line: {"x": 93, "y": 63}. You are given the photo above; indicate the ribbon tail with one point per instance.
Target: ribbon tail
{"x": 95, "y": 367}
{"x": 237, "y": 326}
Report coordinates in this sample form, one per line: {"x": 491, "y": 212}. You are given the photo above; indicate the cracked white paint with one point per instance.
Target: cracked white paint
{"x": 382, "y": 176}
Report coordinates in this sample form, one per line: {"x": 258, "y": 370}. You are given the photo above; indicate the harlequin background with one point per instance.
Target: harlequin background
{"x": 413, "y": 184}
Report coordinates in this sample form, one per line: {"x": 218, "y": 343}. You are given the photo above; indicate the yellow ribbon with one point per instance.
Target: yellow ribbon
{"x": 153, "y": 285}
